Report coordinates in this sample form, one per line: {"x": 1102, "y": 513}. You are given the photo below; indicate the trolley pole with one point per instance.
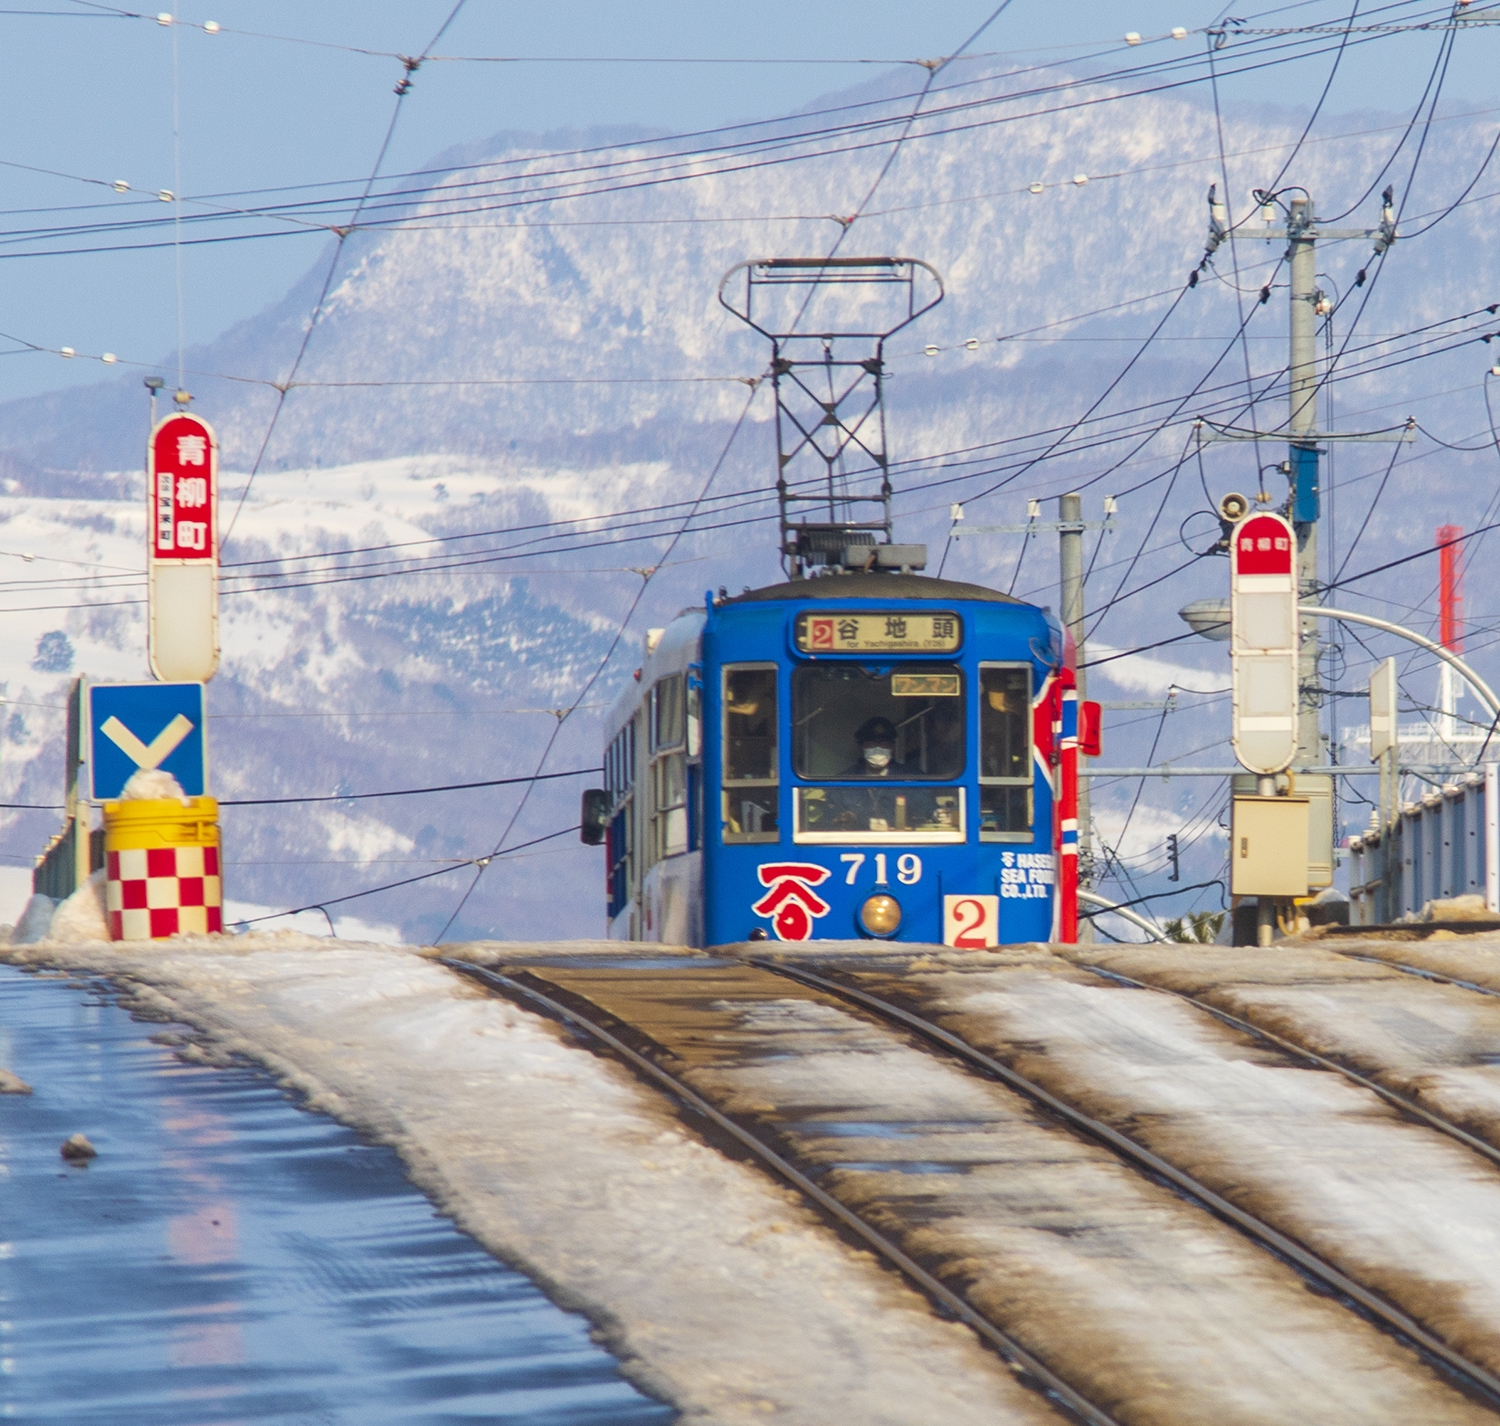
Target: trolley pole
{"x": 1070, "y": 528}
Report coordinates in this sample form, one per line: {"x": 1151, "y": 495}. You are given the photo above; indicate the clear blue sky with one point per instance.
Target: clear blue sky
{"x": 91, "y": 94}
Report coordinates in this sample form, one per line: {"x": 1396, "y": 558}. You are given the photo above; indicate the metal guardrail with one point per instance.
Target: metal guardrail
{"x": 73, "y": 853}
{"x": 1443, "y": 846}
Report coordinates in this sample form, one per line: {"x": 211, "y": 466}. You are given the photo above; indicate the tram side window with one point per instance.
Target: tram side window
{"x": 1005, "y": 775}
{"x": 669, "y": 819}
{"x": 667, "y": 712}
{"x": 750, "y": 766}
{"x": 619, "y": 779}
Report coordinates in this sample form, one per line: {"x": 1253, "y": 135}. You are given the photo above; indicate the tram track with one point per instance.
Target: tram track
{"x": 1394, "y": 1098}
{"x": 1484, "y": 1384}
{"x": 1023, "y": 1362}
{"x": 1405, "y": 1104}
{"x": 1420, "y": 972}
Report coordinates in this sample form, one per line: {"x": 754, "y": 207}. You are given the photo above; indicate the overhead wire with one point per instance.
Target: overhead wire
{"x": 533, "y": 197}
{"x": 480, "y": 863}
{"x": 403, "y": 88}
{"x": 1466, "y": 191}
{"x": 598, "y": 672}
{"x": 645, "y": 582}
{"x": 429, "y": 566}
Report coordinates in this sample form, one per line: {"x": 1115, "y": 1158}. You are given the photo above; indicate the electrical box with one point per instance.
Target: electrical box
{"x": 1268, "y": 846}
{"x": 1317, "y": 788}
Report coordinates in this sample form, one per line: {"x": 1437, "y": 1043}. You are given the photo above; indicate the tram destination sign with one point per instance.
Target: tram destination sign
{"x": 880, "y": 632}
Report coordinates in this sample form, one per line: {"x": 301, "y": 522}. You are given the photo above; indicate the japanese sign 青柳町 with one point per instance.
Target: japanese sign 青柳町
{"x": 182, "y": 546}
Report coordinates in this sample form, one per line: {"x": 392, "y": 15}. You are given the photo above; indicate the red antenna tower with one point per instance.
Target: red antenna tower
{"x": 1450, "y": 587}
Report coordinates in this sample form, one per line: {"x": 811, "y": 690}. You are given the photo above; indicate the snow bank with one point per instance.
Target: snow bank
{"x": 152, "y": 784}
{"x": 1406, "y": 1211}
{"x": 82, "y": 916}
{"x": 35, "y": 921}
{"x": 1145, "y": 1303}
{"x": 717, "y": 1289}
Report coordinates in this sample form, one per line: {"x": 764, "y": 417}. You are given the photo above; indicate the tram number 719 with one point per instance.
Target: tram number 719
{"x": 908, "y": 868}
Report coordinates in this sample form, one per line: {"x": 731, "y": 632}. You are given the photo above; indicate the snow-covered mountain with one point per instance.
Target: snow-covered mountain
{"x": 574, "y": 337}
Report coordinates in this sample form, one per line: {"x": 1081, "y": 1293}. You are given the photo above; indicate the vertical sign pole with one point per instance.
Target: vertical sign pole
{"x": 1385, "y": 736}
{"x": 1492, "y": 837}
{"x": 1070, "y": 560}
{"x": 1071, "y": 930}
{"x": 182, "y": 542}
{"x": 1265, "y": 659}
{"x": 76, "y": 809}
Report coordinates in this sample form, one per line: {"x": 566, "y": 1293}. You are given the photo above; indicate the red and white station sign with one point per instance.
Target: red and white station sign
{"x": 184, "y": 483}
{"x": 1263, "y": 642}
{"x": 182, "y": 544}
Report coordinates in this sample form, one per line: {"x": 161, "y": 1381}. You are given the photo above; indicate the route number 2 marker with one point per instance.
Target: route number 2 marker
{"x": 971, "y": 923}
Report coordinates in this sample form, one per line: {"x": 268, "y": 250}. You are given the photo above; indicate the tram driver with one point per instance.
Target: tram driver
{"x": 877, "y": 746}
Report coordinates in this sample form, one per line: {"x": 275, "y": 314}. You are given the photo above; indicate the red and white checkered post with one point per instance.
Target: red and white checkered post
{"x": 150, "y": 892}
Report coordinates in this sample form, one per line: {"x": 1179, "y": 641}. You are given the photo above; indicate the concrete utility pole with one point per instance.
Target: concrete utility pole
{"x": 1302, "y": 425}
{"x": 1301, "y": 233}
{"x": 1070, "y": 528}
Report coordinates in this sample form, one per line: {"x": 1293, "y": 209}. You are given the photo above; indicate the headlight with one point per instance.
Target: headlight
{"x": 880, "y": 915}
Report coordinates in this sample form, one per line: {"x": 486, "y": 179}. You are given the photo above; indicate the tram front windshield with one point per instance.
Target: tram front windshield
{"x": 860, "y": 722}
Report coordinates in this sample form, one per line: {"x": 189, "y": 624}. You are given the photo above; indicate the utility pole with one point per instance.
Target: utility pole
{"x": 1302, "y": 372}
{"x": 1070, "y": 528}
{"x": 1300, "y": 232}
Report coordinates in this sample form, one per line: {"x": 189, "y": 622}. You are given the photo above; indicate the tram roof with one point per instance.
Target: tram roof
{"x": 875, "y": 584}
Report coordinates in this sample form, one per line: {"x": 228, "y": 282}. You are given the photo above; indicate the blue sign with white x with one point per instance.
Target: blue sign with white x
{"x": 146, "y": 725}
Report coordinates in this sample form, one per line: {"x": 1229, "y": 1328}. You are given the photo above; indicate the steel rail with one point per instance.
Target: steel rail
{"x": 1419, "y": 971}
{"x": 1310, "y": 1263}
{"x": 1291, "y": 1047}
{"x": 1001, "y": 1341}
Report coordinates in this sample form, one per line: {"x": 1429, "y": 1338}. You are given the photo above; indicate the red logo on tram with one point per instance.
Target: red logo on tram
{"x": 791, "y": 902}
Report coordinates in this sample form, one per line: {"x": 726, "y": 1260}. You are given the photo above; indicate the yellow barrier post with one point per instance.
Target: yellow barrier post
{"x": 161, "y": 868}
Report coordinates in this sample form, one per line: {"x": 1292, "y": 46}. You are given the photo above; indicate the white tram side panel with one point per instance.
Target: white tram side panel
{"x": 653, "y": 772}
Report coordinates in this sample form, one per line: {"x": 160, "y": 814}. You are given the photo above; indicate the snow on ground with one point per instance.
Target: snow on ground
{"x": 1404, "y": 1210}
{"x": 1147, "y": 1304}
{"x": 1438, "y": 1044}
{"x": 717, "y": 1289}
{"x": 1472, "y": 958}
{"x": 310, "y": 923}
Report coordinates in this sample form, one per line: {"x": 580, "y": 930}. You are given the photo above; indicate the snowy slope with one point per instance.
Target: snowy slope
{"x": 565, "y": 318}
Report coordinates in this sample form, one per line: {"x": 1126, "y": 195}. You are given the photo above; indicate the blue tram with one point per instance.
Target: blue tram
{"x": 861, "y": 754}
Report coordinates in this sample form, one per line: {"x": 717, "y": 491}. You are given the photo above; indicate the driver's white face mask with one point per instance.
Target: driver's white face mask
{"x": 878, "y": 757}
